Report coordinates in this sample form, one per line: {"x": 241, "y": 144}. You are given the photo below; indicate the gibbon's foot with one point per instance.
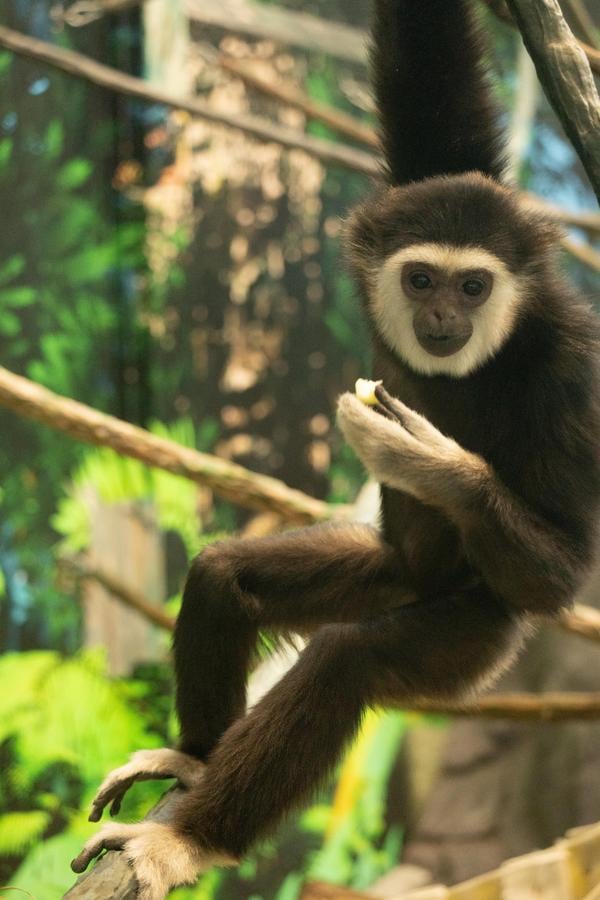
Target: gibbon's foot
{"x": 145, "y": 765}
{"x": 161, "y": 857}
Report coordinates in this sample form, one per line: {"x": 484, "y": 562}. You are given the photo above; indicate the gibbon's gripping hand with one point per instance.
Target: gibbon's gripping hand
{"x": 407, "y": 452}
{"x": 161, "y": 857}
{"x": 145, "y": 765}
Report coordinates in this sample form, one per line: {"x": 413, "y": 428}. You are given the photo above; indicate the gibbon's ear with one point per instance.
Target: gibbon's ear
{"x": 363, "y": 239}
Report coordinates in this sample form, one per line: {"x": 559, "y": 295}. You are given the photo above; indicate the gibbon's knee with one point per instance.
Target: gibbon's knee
{"x": 213, "y": 591}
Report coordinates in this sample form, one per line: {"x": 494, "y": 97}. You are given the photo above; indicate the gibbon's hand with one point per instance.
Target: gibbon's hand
{"x": 410, "y": 454}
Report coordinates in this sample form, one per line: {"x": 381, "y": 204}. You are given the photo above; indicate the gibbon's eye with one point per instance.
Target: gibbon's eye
{"x": 473, "y": 287}
{"x": 420, "y": 281}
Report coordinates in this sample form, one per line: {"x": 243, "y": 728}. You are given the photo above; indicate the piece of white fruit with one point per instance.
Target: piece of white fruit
{"x": 365, "y": 391}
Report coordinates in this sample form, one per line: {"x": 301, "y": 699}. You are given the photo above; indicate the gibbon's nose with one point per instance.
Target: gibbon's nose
{"x": 441, "y": 321}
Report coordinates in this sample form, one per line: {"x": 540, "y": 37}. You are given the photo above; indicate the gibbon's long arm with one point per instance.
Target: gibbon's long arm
{"x": 532, "y": 565}
{"x": 436, "y": 110}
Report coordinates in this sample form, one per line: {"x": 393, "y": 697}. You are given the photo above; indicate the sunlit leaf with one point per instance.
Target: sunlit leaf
{"x": 54, "y": 139}
{"x": 17, "y": 297}
{"x": 73, "y": 174}
{"x": 6, "y": 146}
{"x": 12, "y": 268}
{"x": 19, "y": 830}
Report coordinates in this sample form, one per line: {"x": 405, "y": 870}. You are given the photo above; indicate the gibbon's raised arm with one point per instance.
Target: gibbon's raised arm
{"x": 436, "y": 111}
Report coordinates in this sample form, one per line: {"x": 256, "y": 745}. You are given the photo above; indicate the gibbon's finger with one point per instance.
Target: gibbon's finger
{"x": 389, "y": 405}
{"x": 414, "y": 422}
{"x": 110, "y": 837}
{"x": 145, "y": 765}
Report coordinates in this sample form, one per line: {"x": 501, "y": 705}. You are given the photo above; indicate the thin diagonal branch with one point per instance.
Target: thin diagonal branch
{"x": 339, "y": 121}
{"x": 121, "y": 592}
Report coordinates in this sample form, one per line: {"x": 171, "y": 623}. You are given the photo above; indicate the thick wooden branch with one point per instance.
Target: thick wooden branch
{"x": 501, "y": 11}
{"x": 125, "y": 595}
{"x": 328, "y": 152}
{"x": 582, "y": 20}
{"x": 229, "y": 480}
{"x": 565, "y": 75}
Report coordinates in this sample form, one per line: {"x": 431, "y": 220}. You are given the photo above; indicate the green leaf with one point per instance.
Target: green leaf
{"x": 5, "y": 61}
{"x": 17, "y": 297}
{"x": 12, "y": 268}
{"x": 54, "y": 139}
{"x": 74, "y": 174}
{"x": 9, "y": 325}
{"x": 6, "y": 146}
{"x": 19, "y": 830}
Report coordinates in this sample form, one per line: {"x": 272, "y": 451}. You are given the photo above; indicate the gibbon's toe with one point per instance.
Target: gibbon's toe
{"x": 144, "y": 765}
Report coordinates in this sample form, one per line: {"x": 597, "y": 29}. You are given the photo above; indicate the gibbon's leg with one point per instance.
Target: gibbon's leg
{"x": 291, "y": 582}
{"x": 270, "y": 761}
{"x": 234, "y": 588}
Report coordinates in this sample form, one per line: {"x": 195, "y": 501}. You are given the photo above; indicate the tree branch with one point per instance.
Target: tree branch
{"x": 282, "y": 25}
{"x": 326, "y": 151}
{"x": 125, "y": 595}
{"x": 583, "y": 252}
{"x": 229, "y": 480}
{"x": 329, "y": 152}
{"x": 566, "y": 77}
{"x": 550, "y": 707}
{"x": 501, "y": 11}
{"x": 290, "y": 96}
{"x": 579, "y": 14}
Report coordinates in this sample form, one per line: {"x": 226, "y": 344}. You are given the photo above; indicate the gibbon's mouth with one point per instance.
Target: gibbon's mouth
{"x": 443, "y": 344}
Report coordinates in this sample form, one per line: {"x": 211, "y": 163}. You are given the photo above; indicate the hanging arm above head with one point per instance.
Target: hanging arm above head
{"x": 436, "y": 110}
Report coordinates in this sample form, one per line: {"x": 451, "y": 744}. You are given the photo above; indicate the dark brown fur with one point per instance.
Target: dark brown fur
{"x": 503, "y": 529}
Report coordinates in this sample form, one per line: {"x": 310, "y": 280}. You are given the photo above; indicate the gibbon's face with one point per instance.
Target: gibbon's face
{"x": 445, "y": 310}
